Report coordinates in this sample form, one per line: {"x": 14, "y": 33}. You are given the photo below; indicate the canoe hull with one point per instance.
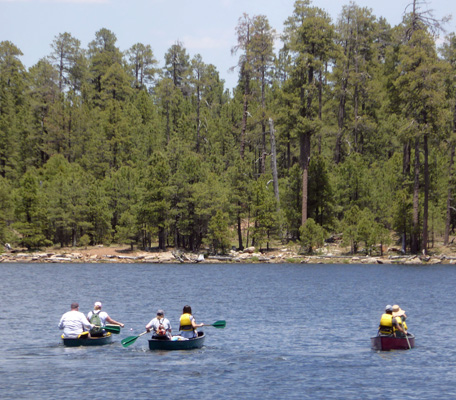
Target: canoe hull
{"x": 385, "y": 343}
{"x": 94, "y": 341}
{"x": 189, "y": 344}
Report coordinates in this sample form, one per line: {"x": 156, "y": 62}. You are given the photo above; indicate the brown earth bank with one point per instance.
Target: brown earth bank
{"x": 330, "y": 254}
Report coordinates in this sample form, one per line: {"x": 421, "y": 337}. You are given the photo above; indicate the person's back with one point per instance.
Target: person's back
{"x": 386, "y": 322}
{"x": 73, "y": 322}
{"x": 400, "y": 317}
{"x": 187, "y": 324}
{"x": 100, "y": 318}
{"x": 94, "y": 318}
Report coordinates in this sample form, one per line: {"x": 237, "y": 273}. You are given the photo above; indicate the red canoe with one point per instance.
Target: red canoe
{"x": 393, "y": 343}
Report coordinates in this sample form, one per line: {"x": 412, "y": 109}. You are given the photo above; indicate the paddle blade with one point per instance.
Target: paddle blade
{"x": 128, "y": 341}
{"x": 112, "y": 328}
{"x": 219, "y": 324}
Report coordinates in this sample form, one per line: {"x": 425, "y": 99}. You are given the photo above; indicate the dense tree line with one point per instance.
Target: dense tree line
{"x": 347, "y": 127}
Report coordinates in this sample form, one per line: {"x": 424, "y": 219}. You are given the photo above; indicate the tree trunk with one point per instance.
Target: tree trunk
{"x": 274, "y": 162}
{"x": 426, "y": 195}
{"x": 198, "y": 122}
{"x": 239, "y": 229}
{"x": 244, "y": 120}
{"x": 446, "y": 238}
{"x": 263, "y": 125}
{"x": 416, "y": 191}
{"x": 305, "y": 158}
{"x": 161, "y": 238}
{"x": 340, "y": 123}
{"x": 406, "y": 159}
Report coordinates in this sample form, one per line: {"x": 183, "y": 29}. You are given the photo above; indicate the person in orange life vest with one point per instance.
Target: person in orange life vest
{"x": 187, "y": 324}
{"x": 161, "y": 327}
{"x": 388, "y": 324}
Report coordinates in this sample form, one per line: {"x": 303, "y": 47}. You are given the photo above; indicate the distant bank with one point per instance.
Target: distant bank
{"x": 248, "y": 256}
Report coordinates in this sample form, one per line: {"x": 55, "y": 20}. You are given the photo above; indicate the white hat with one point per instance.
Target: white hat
{"x": 97, "y": 303}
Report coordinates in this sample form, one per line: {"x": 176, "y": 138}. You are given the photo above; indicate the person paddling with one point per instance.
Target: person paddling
{"x": 389, "y": 325}
{"x": 400, "y": 317}
{"x": 99, "y": 319}
{"x": 74, "y": 322}
{"x": 187, "y": 324}
{"x": 160, "y": 326}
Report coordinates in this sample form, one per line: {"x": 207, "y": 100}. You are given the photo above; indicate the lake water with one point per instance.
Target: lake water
{"x": 293, "y": 331}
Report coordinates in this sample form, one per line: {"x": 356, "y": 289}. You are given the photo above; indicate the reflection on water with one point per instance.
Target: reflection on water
{"x": 293, "y": 331}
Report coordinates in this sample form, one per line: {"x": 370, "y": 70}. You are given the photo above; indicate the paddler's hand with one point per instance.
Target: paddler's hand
{"x": 147, "y": 329}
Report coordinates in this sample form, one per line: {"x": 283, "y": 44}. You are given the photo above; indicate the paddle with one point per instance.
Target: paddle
{"x": 408, "y": 342}
{"x": 112, "y": 328}
{"x": 130, "y": 339}
{"x": 217, "y": 324}
{"x": 405, "y": 332}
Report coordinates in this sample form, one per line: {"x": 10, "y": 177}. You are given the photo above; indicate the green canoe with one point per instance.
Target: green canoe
{"x": 195, "y": 343}
{"x": 84, "y": 340}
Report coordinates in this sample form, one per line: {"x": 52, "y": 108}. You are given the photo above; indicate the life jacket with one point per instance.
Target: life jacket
{"x": 161, "y": 331}
{"x": 186, "y": 323}
{"x": 386, "y": 324}
{"x": 95, "y": 320}
{"x": 401, "y": 321}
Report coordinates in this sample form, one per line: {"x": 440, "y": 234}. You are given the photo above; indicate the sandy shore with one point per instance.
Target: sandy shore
{"x": 112, "y": 254}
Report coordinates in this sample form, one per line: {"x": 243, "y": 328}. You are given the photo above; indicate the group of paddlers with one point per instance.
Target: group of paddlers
{"x": 392, "y": 322}
{"x": 74, "y": 323}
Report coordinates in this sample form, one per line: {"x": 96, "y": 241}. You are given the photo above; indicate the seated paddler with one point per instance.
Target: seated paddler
{"x": 99, "y": 318}
{"x": 389, "y": 326}
{"x": 187, "y": 324}
{"x": 160, "y": 326}
{"x": 400, "y": 316}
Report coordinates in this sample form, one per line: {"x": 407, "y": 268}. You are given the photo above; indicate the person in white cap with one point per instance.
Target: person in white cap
{"x": 388, "y": 325}
{"x": 99, "y": 319}
{"x": 160, "y": 326}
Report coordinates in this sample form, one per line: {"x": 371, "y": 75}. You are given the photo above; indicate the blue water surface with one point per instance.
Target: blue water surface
{"x": 293, "y": 331}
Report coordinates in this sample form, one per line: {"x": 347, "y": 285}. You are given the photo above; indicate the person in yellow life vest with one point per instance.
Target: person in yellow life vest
{"x": 187, "y": 324}
{"x": 389, "y": 325}
{"x": 400, "y": 317}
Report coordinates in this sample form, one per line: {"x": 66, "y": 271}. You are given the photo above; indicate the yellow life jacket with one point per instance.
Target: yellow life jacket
{"x": 401, "y": 322}
{"x": 386, "y": 324}
{"x": 186, "y": 322}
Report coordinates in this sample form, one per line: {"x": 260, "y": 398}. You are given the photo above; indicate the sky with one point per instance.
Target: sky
{"x": 205, "y": 27}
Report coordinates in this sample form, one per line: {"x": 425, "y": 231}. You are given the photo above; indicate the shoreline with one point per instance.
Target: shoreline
{"x": 249, "y": 256}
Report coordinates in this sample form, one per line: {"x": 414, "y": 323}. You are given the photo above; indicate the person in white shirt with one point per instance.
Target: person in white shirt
{"x": 74, "y": 322}
{"x": 160, "y": 326}
{"x": 103, "y": 319}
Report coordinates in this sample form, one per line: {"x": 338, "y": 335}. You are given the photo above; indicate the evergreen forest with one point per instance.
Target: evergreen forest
{"x": 335, "y": 129}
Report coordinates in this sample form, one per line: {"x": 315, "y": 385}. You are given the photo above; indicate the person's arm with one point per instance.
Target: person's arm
{"x": 195, "y": 325}
{"x": 85, "y": 322}
{"x": 398, "y": 326}
{"x": 62, "y": 322}
{"x": 112, "y": 322}
{"x": 149, "y": 325}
